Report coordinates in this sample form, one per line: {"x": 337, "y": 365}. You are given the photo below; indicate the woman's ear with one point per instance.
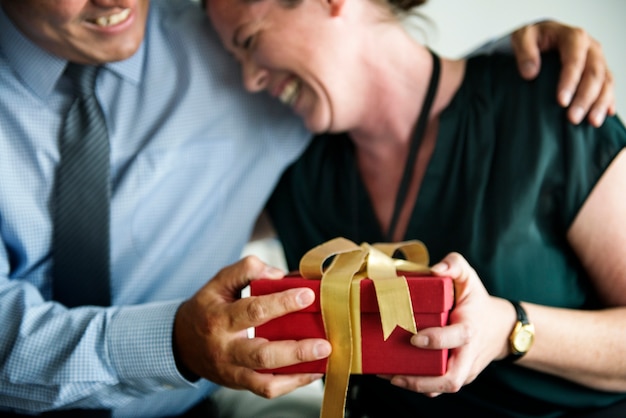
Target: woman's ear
{"x": 336, "y": 7}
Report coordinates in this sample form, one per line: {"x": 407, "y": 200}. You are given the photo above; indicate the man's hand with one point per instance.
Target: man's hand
{"x": 586, "y": 85}
{"x": 210, "y": 337}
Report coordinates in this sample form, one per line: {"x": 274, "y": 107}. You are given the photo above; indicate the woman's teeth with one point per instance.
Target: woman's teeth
{"x": 290, "y": 92}
{"x": 115, "y": 19}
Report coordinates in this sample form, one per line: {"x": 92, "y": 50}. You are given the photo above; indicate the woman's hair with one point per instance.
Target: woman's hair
{"x": 400, "y": 6}
{"x": 405, "y": 5}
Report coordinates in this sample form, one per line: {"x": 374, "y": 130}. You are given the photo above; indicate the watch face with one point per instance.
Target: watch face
{"x": 523, "y": 339}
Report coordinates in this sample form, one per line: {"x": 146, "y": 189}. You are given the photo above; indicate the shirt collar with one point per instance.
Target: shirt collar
{"x": 40, "y": 70}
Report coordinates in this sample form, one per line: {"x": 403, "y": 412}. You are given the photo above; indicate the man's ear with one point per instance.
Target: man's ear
{"x": 336, "y": 7}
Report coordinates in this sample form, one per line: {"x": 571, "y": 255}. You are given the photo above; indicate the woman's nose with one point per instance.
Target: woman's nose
{"x": 255, "y": 77}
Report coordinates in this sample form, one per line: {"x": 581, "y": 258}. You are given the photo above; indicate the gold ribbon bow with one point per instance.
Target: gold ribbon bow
{"x": 340, "y": 301}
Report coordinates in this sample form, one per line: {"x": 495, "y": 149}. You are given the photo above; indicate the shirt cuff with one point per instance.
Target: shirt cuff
{"x": 140, "y": 345}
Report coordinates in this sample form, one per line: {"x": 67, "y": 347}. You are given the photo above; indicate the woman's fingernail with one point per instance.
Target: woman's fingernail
{"x": 399, "y": 382}
{"x": 439, "y": 267}
{"x": 420, "y": 340}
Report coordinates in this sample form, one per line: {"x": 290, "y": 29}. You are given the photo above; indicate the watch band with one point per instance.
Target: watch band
{"x": 521, "y": 313}
{"x": 524, "y": 326}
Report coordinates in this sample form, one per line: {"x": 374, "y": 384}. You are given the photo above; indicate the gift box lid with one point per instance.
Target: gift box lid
{"x": 428, "y": 293}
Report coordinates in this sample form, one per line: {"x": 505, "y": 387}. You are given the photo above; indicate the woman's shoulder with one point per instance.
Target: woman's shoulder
{"x": 498, "y": 76}
{"x": 504, "y": 65}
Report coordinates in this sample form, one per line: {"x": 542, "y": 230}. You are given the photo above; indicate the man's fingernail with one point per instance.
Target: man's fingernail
{"x": 565, "y": 97}
{"x": 597, "y": 118}
{"x": 305, "y": 297}
{"x": 270, "y": 272}
{"x": 528, "y": 68}
{"x": 315, "y": 376}
{"x": 577, "y": 113}
{"x": 321, "y": 350}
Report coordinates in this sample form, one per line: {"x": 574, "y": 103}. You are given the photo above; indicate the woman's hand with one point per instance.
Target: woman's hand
{"x": 478, "y": 332}
{"x": 586, "y": 85}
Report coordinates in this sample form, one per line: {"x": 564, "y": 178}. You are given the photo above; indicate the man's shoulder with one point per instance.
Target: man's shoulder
{"x": 185, "y": 24}
{"x": 181, "y": 15}
{"x": 176, "y": 6}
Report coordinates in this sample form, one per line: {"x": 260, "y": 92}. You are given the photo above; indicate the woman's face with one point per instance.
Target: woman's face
{"x": 290, "y": 52}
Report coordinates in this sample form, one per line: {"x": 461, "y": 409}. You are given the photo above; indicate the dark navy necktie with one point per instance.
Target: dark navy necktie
{"x": 80, "y": 272}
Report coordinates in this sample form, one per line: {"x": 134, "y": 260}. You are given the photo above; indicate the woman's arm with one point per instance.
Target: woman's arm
{"x": 591, "y": 345}
{"x": 587, "y": 347}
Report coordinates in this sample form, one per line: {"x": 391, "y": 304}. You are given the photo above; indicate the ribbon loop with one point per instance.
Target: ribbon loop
{"x": 312, "y": 263}
{"x": 414, "y": 251}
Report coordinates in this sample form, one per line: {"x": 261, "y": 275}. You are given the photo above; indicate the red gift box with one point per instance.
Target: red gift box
{"x": 431, "y": 298}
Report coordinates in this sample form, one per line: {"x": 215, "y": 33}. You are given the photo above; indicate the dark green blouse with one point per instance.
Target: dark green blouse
{"x": 507, "y": 178}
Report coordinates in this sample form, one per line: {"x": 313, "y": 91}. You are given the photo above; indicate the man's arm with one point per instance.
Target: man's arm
{"x": 86, "y": 357}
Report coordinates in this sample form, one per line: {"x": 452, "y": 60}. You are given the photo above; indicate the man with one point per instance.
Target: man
{"x": 192, "y": 160}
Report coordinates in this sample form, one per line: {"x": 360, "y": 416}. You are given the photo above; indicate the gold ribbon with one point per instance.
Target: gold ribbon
{"x": 340, "y": 301}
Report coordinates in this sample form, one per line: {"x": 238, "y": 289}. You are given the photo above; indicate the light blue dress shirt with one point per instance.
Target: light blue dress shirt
{"x": 194, "y": 158}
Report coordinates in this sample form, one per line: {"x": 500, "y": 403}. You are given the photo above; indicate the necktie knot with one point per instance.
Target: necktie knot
{"x": 83, "y": 78}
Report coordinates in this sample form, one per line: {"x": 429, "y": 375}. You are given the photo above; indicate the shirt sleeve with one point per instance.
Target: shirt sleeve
{"x": 497, "y": 45}
{"x": 99, "y": 358}
{"x": 493, "y": 46}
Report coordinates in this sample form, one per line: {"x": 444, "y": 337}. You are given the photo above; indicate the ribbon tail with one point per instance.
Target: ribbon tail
{"x": 395, "y": 306}
{"x": 334, "y": 300}
{"x": 392, "y": 293}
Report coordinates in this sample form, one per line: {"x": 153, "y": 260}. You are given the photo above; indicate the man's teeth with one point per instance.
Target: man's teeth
{"x": 290, "y": 92}
{"x": 113, "y": 19}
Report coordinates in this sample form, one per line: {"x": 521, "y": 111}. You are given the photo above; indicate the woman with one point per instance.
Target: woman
{"x": 499, "y": 181}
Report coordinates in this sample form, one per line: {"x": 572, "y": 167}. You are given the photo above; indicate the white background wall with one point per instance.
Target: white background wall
{"x": 461, "y": 25}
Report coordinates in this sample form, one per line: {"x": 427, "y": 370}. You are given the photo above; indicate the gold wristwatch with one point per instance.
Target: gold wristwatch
{"x": 522, "y": 336}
